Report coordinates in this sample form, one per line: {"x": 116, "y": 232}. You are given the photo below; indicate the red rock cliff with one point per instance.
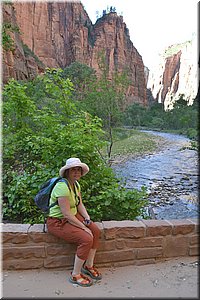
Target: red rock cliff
{"x": 18, "y": 64}
{"x": 176, "y": 74}
{"x": 60, "y": 33}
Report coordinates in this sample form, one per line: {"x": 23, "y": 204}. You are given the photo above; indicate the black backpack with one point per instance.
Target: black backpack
{"x": 43, "y": 196}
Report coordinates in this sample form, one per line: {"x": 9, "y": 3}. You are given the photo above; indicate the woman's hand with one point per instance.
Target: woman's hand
{"x": 87, "y": 221}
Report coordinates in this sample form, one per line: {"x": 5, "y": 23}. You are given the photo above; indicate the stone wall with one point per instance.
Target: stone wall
{"x": 122, "y": 243}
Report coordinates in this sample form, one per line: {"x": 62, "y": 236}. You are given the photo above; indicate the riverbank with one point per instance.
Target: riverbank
{"x": 170, "y": 174}
{"x": 154, "y": 144}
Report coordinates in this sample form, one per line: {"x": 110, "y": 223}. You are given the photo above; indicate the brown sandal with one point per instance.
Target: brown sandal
{"x": 81, "y": 280}
{"x": 92, "y": 272}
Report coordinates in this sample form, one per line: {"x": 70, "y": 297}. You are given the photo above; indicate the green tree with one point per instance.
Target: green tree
{"x": 105, "y": 97}
{"x": 81, "y": 76}
{"x": 135, "y": 115}
{"x": 42, "y": 127}
{"x": 38, "y": 135}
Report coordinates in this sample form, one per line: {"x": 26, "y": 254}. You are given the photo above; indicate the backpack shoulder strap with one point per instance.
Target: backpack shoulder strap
{"x": 77, "y": 186}
{"x": 59, "y": 179}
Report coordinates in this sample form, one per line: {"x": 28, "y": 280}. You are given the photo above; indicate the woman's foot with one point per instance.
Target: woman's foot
{"x": 81, "y": 280}
{"x": 92, "y": 272}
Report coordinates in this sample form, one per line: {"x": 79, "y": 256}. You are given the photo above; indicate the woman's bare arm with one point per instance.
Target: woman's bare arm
{"x": 65, "y": 209}
{"x": 82, "y": 210}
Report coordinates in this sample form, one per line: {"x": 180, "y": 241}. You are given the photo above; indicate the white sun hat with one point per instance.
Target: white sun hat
{"x": 74, "y": 162}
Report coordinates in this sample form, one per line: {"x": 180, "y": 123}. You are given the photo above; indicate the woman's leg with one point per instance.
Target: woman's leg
{"x": 71, "y": 234}
{"x": 75, "y": 235}
{"x": 88, "y": 267}
{"x": 90, "y": 260}
{"x": 95, "y": 231}
{"x": 78, "y": 263}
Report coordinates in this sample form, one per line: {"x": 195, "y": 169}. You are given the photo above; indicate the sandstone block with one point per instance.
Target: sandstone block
{"x": 59, "y": 261}
{"x": 146, "y": 261}
{"x": 129, "y": 229}
{"x": 144, "y": 242}
{"x": 15, "y": 228}
{"x": 23, "y": 264}
{"x": 149, "y": 252}
{"x": 181, "y": 226}
{"x": 115, "y": 256}
{"x": 157, "y": 227}
{"x": 7, "y": 237}
{"x": 194, "y": 240}
{"x": 196, "y": 223}
{"x": 39, "y": 237}
{"x": 36, "y": 228}
{"x": 106, "y": 245}
{"x": 20, "y": 238}
{"x": 64, "y": 249}
{"x": 175, "y": 246}
{"x": 23, "y": 252}
{"x": 194, "y": 250}
{"x": 120, "y": 244}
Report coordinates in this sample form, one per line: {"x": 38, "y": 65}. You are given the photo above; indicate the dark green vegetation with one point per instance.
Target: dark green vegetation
{"x": 66, "y": 113}
{"x": 182, "y": 119}
{"x": 43, "y": 125}
{"x": 7, "y": 30}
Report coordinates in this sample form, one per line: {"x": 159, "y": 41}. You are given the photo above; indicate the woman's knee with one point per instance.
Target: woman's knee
{"x": 95, "y": 230}
{"x": 90, "y": 240}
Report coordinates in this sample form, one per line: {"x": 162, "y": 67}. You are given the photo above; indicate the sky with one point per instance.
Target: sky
{"x": 153, "y": 24}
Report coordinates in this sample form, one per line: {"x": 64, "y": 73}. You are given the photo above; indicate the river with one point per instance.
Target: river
{"x": 170, "y": 175}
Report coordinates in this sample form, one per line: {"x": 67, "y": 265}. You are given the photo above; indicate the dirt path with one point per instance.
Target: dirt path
{"x": 176, "y": 278}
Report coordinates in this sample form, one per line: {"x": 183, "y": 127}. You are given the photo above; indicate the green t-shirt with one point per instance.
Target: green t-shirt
{"x": 61, "y": 190}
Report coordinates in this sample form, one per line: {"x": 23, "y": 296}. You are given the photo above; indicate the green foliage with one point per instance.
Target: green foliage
{"x": 28, "y": 51}
{"x": 183, "y": 117}
{"x": 91, "y": 35}
{"x": 104, "y": 98}
{"x": 135, "y": 115}
{"x": 81, "y": 76}
{"x": 175, "y": 49}
{"x": 118, "y": 204}
{"x": 7, "y": 41}
{"x": 100, "y": 97}
{"x": 42, "y": 127}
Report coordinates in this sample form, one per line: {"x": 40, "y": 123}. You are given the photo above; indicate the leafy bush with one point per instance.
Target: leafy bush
{"x": 192, "y": 133}
{"x": 118, "y": 204}
{"x": 42, "y": 128}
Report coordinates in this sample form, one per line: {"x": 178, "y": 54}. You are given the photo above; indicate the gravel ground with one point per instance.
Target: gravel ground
{"x": 175, "y": 278}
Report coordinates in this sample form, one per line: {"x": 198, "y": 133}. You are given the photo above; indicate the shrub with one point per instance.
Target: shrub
{"x": 42, "y": 128}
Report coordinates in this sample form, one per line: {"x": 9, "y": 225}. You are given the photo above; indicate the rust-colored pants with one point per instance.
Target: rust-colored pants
{"x": 74, "y": 235}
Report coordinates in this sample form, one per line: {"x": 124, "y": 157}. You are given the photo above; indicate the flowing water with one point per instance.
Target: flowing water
{"x": 171, "y": 178}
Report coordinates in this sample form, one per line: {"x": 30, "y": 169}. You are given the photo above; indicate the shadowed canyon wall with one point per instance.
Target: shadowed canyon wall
{"x": 18, "y": 63}
{"x": 55, "y": 34}
{"x": 59, "y": 33}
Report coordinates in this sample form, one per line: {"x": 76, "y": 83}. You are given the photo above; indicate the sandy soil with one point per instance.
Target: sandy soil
{"x": 175, "y": 278}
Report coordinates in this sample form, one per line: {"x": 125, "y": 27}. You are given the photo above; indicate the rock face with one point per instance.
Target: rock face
{"x": 59, "y": 33}
{"x": 18, "y": 64}
{"x": 176, "y": 74}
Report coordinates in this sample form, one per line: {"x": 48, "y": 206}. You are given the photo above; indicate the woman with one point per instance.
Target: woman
{"x": 70, "y": 221}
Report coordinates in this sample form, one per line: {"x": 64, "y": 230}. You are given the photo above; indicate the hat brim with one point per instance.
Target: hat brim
{"x": 85, "y": 168}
